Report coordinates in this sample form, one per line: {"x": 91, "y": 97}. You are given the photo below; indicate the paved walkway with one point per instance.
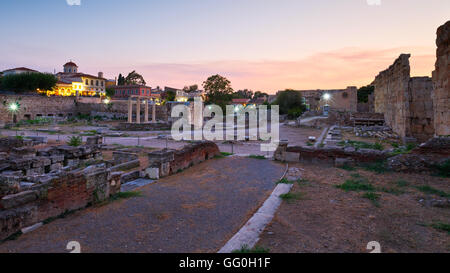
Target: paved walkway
{"x": 198, "y": 210}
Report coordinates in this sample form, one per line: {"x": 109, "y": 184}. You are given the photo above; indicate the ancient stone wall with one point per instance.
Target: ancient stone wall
{"x": 56, "y": 195}
{"x": 34, "y": 106}
{"x": 421, "y": 115}
{"x": 441, "y": 81}
{"x": 327, "y": 155}
{"x": 167, "y": 162}
{"x": 405, "y": 102}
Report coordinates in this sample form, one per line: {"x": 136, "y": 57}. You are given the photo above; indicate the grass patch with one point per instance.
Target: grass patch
{"x": 376, "y": 167}
{"x": 355, "y": 175}
{"x": 393, "y": 191}
{"x": 226, "y": 154}
{"x": 361, "y": 145}
{"x": 261, "y": 157}
{"x": 285, "y": 181}
{"x": 441, "y": 226}
{"x": 245, "y": 249}
{"x": 356, "y": 185}
{"x": 290, "y": 197}
{"x": 75, "y": 141}
{"x": 347, "y": 168}
{"x": 125, "y": 195}
{"x": 443, "y": 170}
{"x": 12, "y": 237}
{"x": 61, "y": 216}
{"x": 430, "y": 190}
{"x": 373, "y": 197}
{"x": 402, "y": 183}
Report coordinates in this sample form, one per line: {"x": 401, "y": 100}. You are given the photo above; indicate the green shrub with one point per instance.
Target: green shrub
{"x": 75, "y": 141}
{"x": 361, "y": 145}
{"x": 443, "y": 169}
{"x": 430, "y": 190}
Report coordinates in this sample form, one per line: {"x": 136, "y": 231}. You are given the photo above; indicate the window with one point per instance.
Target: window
{"x": 87, "y": 82}
{"x": 102, "y": 83}
{"x": 92, "y": 82}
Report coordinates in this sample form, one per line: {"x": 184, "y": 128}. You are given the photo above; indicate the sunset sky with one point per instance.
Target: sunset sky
{"x": 265, "y": 45}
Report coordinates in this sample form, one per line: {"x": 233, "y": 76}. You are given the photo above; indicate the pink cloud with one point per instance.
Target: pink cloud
{"x": 334, "y": 69}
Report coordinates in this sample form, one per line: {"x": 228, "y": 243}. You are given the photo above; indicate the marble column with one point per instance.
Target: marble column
{"x": 130, "y": 110}
{"x": 154, "y": 112}
{"x": 146, "y": 111}
{"x": 138, "y": 110}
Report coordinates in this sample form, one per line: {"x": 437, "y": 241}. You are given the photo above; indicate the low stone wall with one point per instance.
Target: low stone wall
{"x": 56, "y": 195}
{"x": 143, "y": 126}
{"x": 426, "y": 158}
{"x": 328, "y": 155}
{"x": 167, "y": 162}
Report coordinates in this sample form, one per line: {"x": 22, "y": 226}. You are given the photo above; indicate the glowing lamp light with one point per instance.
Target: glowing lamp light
{"x": 106, "y": 101}
{"x": 327, "y": 96}
{"x": 236, "y": 109}
{"x": 13, "y": 107}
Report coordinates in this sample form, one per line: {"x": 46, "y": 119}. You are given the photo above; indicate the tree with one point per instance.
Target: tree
{"x": 169, "y": 95}
{"x": 191, "y": 88}
{"x": 218, "y": 90}
{"x": 364, "y": 92}
{"x": 121, "y": 80}
{"x": 290, "y": 103}
{"x": 243, "y": 94}
{"x": 259, "y": 94}
{"x": 110, "y": 92}
{"x": 29, "y": 82}
{"x": 134, "y": 79}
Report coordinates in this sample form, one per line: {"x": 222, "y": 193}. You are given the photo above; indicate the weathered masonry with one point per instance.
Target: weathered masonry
{"x": 406, "y": 102}
{"x": 441, "y": 78}
{"x": 417, "y": 107}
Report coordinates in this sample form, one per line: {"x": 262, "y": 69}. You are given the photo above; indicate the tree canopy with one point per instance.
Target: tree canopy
{"x": 218, "y": 90}
{"x": 121, "y": 80}
{"x": 28, "y": 82}
{"x": 364, "y": 92}
{"x": 243, "y": 94}
{"x": 191, "y": 88}
{"x": 134, "y": 78}
{"x": 290, "y": 103}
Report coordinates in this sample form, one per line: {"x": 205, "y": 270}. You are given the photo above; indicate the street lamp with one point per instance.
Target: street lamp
{"x": 13, "y": 107}
{"x": 106, "y": 101}
{"x": 326, "y": 96}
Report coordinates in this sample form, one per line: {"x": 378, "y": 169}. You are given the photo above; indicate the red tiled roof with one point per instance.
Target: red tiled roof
{"x": 241, "y": 100}
{"x": 71, "y": 64}
{"x": 21, "y": 68}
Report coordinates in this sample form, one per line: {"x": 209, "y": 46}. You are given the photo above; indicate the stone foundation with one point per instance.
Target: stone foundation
{"x": 167, "y": 162}
{"x": 143, "y": 126}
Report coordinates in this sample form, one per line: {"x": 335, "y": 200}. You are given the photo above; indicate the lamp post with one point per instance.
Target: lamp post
{"x": 326, "y": 107}
{"x": 13, "y": 107}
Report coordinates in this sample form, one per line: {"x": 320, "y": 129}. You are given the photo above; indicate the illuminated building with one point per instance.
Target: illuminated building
{"x": 72, "y": 83}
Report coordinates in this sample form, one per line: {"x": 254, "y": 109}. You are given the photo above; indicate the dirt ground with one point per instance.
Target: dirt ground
{"x": 325, "y": 218}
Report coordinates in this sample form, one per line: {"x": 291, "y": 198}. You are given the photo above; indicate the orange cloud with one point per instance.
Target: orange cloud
{"x": 326, "y": 70}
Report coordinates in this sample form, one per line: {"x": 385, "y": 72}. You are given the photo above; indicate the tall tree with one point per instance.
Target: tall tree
{"x": 364, "y": 92}
{"x": 218, "y": 90}
{"x": 121, "y": 80}
{"x": 259, "y": 94}
{"x": 290, "y": 103}
{"x": 135, "y": 78}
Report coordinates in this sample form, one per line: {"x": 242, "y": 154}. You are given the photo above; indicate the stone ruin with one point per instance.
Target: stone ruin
{"x": 416, "y": 108}
{"x": 41, "y": 183}
{"x": 167, "y": 162}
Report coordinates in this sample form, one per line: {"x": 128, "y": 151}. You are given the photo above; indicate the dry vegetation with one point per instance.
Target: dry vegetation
{"x": 342, "y": 210}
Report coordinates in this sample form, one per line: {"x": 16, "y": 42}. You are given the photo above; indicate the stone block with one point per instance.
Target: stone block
{"x": 19, "y": 199}
{"x": 291, "y": 157}
{"x": 152, "y": 173}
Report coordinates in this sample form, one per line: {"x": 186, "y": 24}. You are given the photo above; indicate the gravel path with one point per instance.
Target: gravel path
{"x": 198, "y": 210}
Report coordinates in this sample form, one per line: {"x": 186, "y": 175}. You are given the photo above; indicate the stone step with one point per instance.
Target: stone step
{"x": 135, "y": 184}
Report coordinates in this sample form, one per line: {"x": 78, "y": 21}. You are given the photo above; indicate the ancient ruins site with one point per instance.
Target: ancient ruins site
{"x": 88, "y": 172}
